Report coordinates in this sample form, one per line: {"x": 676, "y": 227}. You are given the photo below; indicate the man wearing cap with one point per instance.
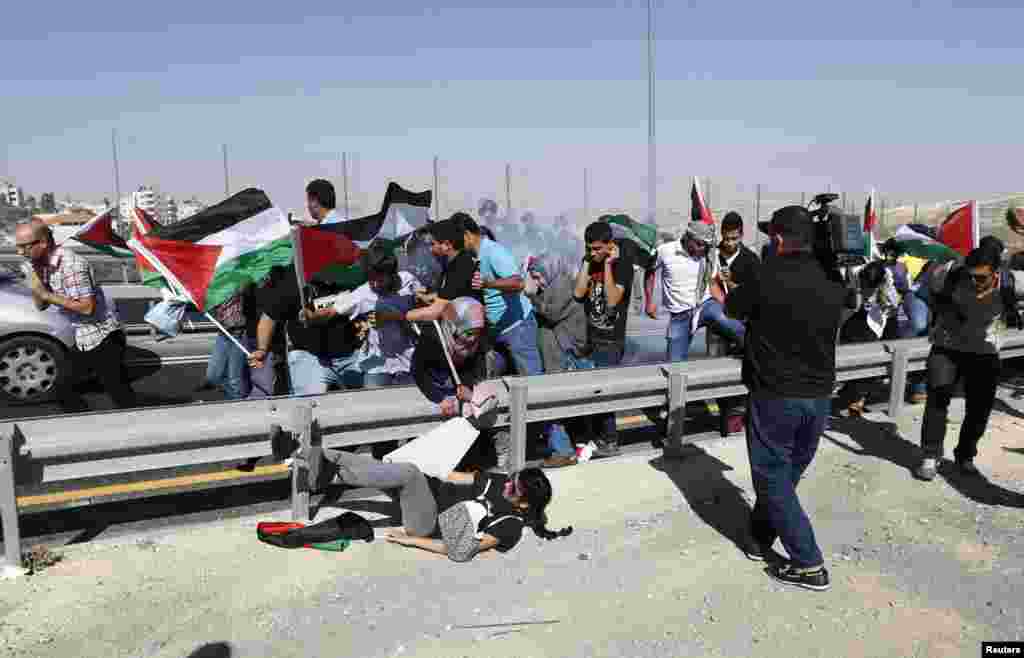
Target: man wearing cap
{"x": 793, "y": 311}
{"x": 691, "y": 295}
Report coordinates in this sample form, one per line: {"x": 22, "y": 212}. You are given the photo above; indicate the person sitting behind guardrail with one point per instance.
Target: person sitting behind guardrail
{"x": 461, "y": 516}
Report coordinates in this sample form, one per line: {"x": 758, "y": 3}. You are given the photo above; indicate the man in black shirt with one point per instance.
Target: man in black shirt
{"x": 603, "y": 286}
{"x": 793, "y": 311}
{"x": 321, "y": 354}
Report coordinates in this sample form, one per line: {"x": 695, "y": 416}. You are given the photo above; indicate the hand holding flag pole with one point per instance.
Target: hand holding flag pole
{"x": 179, "y": 289}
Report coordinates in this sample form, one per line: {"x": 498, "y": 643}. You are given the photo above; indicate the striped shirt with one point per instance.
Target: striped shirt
{"x": 69, "y": 275}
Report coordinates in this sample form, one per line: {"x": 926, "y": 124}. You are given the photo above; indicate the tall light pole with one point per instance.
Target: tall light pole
{"x": 344, "y": 183}
{"x": 227, "y": 186}
{"x": 586, "y": 195}
{"x": 117, "y": 175}
{"x": 508, "y": 189}
{"x": 652, "y": 186}
{"x": 437, "y": 193}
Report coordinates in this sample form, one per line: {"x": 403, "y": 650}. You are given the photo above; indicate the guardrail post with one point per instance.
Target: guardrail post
{"x": 517, "y": 424}
{"x": 11, "y": 565}
{"x": 673, "y": 444}
{"x": 302, "y": 427}
{"x": 898, "y": 381}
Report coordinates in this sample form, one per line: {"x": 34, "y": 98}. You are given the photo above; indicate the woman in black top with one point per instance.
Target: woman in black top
{"x": 511, "y": 501}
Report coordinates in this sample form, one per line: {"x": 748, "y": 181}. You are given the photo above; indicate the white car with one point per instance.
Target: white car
{"x": 34, "y": 345}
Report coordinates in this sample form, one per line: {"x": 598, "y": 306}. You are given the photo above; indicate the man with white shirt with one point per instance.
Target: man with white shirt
{"x": 689, "y": 289}
{"x": 321, "y": 201}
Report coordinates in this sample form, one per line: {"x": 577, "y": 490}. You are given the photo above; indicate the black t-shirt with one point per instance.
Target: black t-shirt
{"x": 332, "y": 339}
{"x": 793, "y": 308}
{"x": 457, "y": 279}
{"x": 254, "y": 301}
{"x": 744, "y": 266}
{"x": 508, "y": 531}
{"x": 608, "y": 325}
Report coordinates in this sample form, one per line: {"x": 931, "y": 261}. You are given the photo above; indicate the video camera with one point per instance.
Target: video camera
{"x": 838, "y": 236}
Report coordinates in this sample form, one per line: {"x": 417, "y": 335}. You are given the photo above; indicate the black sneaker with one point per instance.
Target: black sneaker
{"x": 815, "y": 580}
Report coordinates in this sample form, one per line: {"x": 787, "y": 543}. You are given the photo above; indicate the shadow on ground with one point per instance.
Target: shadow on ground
{"x": 718, "y": 502}
{"x": 881, "y": 440}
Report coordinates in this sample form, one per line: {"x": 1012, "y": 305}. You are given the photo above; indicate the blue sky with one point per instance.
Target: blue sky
{"x": 918, "y": 99}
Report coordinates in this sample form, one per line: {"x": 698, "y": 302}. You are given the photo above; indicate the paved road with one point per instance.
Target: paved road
{"x": 184, "y": 356}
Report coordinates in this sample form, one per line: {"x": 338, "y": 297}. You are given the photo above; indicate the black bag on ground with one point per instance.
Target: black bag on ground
{"x": 347, "y": 526}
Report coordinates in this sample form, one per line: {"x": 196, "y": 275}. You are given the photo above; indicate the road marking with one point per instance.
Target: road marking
{"x": 155, "y": 486}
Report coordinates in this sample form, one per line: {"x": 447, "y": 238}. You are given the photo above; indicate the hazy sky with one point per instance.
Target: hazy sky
{"x": 914, "y": 98}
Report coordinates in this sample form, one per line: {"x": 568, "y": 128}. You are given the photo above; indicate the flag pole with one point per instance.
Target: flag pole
{"x": 300, "y": 273}
{"x": 652, "y": 185}
{"x": 344, "y": 182}
{"x": 117, "y": 175}
{"x": 178, "y": 288}
{"x": 586, "y": 195}
{"x": 227, "y": 187}
{"x": 508, "y": 190}
{"x": 437, "y": 195}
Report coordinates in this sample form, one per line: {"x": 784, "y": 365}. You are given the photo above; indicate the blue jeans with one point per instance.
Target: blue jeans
{"x": 521, "y": 343}
{"x": 228, "y": 368}
{"x": 312, "y": 375}
{"x": 782, "y": 437}
{"x": 606, "y": 356}
{"x": 918, "y": 315}
{"x": 380, "y": 379}
{"x": 678, "y": 335}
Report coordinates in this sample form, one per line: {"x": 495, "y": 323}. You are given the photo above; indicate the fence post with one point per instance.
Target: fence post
{"x": 11, "y": 565}
{"x": 898, "y": 381}
{"x": 673, "y": 445}
{"x": 302, "y": 427}
{"x": 517, "y": 424}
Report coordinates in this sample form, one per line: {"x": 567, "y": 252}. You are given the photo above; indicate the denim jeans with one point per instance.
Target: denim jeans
{"x": 521, "y": 343}
{"x": 228, "y": 368}
{"x": 782, "y": 437}
{"x": 917, "y": 325}
{"x": 603, "y": 425}
{"x": 381, "y": 379}
{"x": 312, "y": 375}
{"x": 679, "y": 334}
{"x": 262, "y": 381}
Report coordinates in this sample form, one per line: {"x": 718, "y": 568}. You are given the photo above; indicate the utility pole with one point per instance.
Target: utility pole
{"x": 757, "y": 214}
{"x": 652, "y": 177}
{"x": 227, "y": 186}
{"x": 508, "y": 189}
{"x": 344, "y": 183}
{"x": 586, "y": 195}
{"x": 437, "y": 192}
{"x": 117, "y": 175}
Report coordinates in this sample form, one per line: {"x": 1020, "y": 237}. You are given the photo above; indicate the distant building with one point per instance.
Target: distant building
{"x": 12, "y": 194}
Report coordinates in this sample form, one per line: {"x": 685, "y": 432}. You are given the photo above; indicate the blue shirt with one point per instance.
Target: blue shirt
{"x": 504, "y": 309}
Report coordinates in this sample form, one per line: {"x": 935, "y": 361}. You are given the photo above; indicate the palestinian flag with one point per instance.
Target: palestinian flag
{"x": 143, "y": 223}
{"x": 327, "y": 253}
{"x": 959, "y": 231}
{"x": 871, "y": 251}
{"x": 325, "y": 249}
{"x": 699, "y": 211}
{"x": 644, "y": 237}
{"x": 98, "y": 233}
{"x": 919, "y": 241}
{"x": 212, "y": 254}
{"x": 402, "y": 213}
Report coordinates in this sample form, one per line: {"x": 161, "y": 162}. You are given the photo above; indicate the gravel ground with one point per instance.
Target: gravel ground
{"x": 918, "y": 569}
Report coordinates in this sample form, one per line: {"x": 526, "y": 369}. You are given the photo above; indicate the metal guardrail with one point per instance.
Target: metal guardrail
{"x": 112, "y": 445}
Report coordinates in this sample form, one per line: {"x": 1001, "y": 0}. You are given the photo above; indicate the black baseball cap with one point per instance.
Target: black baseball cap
{"x": 791, "y": 220}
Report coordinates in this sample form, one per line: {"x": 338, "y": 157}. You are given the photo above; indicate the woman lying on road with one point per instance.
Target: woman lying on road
{"x": 471, "y": 513}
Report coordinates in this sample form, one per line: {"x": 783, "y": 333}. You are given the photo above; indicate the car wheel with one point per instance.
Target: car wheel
{"x": 32, "y": 369}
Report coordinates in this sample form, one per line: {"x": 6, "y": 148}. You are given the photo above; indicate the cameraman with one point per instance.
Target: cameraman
{"x": 790, "y": 370}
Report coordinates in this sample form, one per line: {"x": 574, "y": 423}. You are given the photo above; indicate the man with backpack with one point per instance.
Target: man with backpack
{"x": 973, "y": 303}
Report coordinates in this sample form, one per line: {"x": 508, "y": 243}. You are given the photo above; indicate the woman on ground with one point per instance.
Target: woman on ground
{"x": 460, "y": 516}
